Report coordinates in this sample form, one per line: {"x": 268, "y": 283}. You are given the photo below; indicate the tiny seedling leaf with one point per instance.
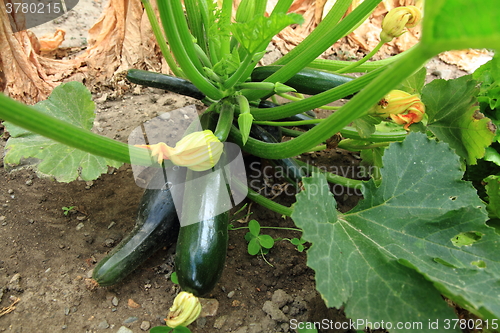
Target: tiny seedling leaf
{"x": 72, "y": 103}
{"x": 173, "y": 278}
{"x": 266, "y": 241}
{"x": 254, "y": 246}
{"x": 254, "y": 227}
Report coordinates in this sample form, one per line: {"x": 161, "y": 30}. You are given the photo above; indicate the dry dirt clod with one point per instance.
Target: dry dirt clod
{"x": 15, "y": 283}
{"x": 132, "y": 304}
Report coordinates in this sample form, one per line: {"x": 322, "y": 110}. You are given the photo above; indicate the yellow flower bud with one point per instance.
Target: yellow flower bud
{"x": 401, "y": 106}
{"x": 397, "y": 19}
{"x": 198, "y": 151}
{"x": 184, "y": 311}
{"x": 414, "y": 114}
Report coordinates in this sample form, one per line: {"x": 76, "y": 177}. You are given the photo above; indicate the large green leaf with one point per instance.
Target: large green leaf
{"x": 392, "y": 256}
{"x": 461, "y": 24}
{"x": 452, "y": 110}
{"x": 72, "y": 103}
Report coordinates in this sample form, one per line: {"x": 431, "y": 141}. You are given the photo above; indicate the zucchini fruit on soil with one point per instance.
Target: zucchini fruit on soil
{"x": 165, "y": 82}
{"x": 203, "y": 237}
{"x": 307, "y": 81}
{"x": 156, "y": 226}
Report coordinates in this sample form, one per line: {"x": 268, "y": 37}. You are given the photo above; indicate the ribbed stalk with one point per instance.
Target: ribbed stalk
{"x": 68, "y": 134}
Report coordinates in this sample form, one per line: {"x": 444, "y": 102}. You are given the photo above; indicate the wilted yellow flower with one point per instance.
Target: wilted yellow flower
{"x": 401, "y": 106}
{"x": 198, "y": 151}
{"x": 397, "y": 19}
{"x": 184, "y": 311}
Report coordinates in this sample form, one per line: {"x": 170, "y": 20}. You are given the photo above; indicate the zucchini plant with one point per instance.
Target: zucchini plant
{"x": 419, "y": 233}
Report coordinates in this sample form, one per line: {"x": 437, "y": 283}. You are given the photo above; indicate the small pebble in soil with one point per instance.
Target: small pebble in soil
{"x": 15, "y": 283}
{"x": 114, "y": 301}
{"x": 132, "y": 304}
{"x": 219, "y": 322}
{"x": 130, "y": 320}
{"x": 80, "y": 226}
{"x": 230, "y": 294}
{"x": 242, "y": 329}
{"x": 124, "y": 329}
{"x": 29, "y": 182}
{"x": 201, "y": 322}
{"x": 103, "y": 325}
{"x": 145, "y": 325}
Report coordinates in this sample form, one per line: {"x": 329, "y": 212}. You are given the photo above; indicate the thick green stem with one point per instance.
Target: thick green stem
{"x": 268, "y": 203}
{"x": 165, "y": 51}
{"x": 181, "y": 55}
{"x": 184, "y": 32}
{"x": 324, "y": 36}
{"x": 316, "y": 101}
{"x": 77, "y": 137}
{"x": 194, "y": 15}
{"x": 240, "y": 72}
{"x": 355, "y": 108}
{"x": 263, "y": 201}
{"x": 288, "y": 123}
{"x": 225, "y": 120}
{"x": 335, "y": 65}
{"x": 281, "y": 7}
{"x": 352, "y": 133}
{"x": 331, "y": 177}
{"x": 326, "y": 33}
{"x": 348, "y": 144}
{"x": 225, "y": 36}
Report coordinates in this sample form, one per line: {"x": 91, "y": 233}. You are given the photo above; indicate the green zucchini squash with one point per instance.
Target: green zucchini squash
{"x": 202, "y": 243}
{"x": 156, "y": 226}
{"x": 165, "y": 82}
{"x": 307, "y": 81}
{"x": 293, "y": 171}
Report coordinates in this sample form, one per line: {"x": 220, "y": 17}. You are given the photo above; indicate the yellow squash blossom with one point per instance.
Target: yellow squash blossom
{"x": 198, "y": 151}
{"x": 397, "y": 19}
{"x": 184, "y": 311}
{"x": 400, "y": 106}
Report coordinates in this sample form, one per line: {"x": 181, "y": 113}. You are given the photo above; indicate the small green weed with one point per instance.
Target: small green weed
{"x": 67, "y": 210}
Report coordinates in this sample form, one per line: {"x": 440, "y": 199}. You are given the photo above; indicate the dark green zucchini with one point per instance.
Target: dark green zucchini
{"x": 165, "y": 82}
{"x": 156, "y": 226}
{"x": 307, "y": 81}
{"x": 293, "y": 171}
{"x": 202, "y": 243}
